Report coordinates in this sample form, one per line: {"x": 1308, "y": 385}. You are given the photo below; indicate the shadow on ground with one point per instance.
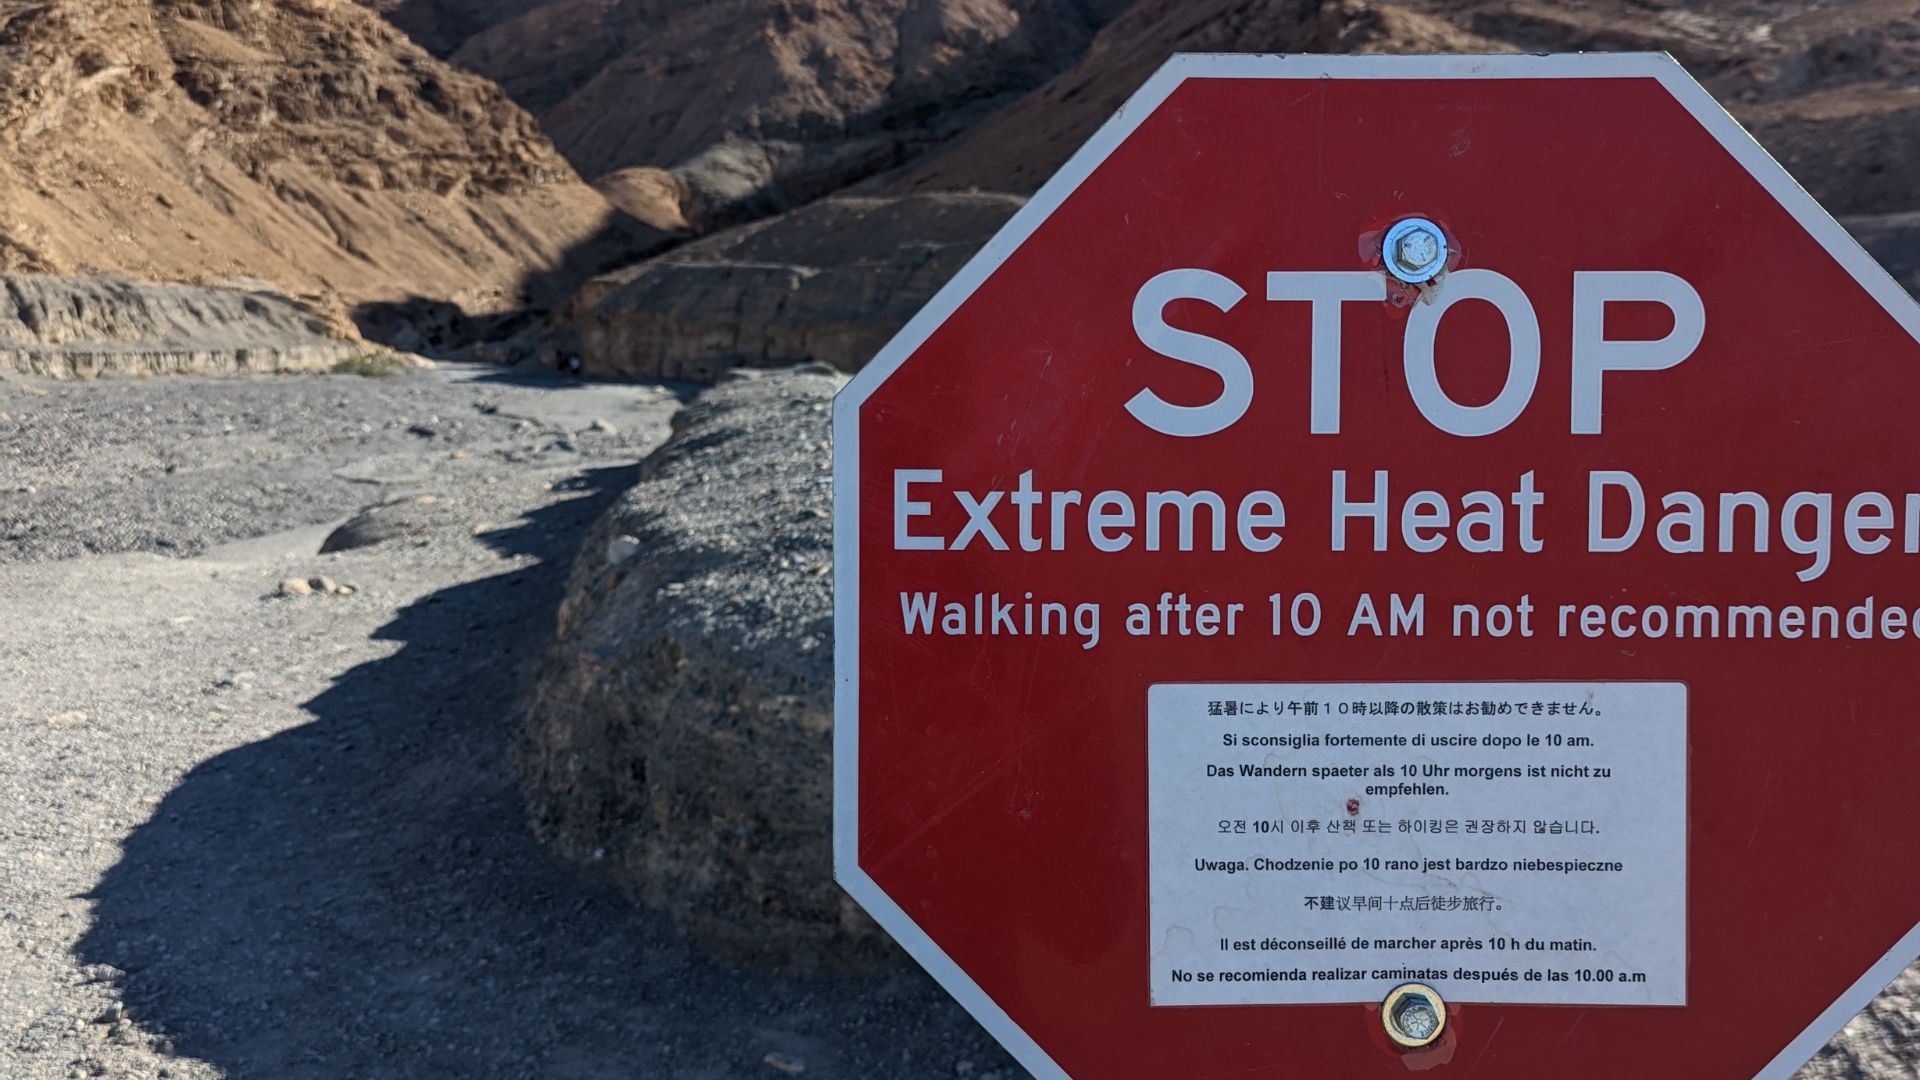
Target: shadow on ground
{"x": 359, "y": 897}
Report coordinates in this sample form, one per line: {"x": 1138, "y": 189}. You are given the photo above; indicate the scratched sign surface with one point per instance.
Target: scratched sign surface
{"x": 1229, "y": 630}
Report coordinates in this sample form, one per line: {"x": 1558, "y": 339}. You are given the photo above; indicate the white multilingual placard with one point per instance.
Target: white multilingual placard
{"x": 1501, "y": 841}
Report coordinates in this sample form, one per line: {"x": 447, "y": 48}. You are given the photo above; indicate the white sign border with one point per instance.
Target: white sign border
{"x": 846, "y": 440}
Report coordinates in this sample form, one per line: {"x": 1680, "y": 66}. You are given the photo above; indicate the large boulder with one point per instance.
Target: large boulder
{"x": 679, "y": 733}
{"x": 828, "y": 283}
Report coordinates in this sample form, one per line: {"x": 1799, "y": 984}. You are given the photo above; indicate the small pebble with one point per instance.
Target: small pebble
{"x": 621, "y": 548}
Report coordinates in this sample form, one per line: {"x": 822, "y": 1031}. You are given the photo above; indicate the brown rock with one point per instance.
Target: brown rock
{"x": 306, "y": 143}
{"x": 1854, "y": 148}
{"x": 1023, "y": 144}
{"x": 828, "y": 283}
{"x": 1831, "y": 91}
{"x": 1828, "y": 90}
{"x": 652, "y": 196}
{"x": 441, "y": 26}
{"x": 766, "y": 103}
{"x": 82, "y": 327}
{"x": 406, "y": 518}
{"x": 1893, "y": 240}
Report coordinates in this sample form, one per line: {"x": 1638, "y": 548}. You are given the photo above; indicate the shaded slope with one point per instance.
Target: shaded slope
{"x": 777, "y": 101}
{"x": 1831, "y": 92}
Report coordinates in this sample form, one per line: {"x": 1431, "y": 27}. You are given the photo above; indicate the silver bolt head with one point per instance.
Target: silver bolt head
{"x": 1415, "y": 250}
{"x": 1416, "y": 1018}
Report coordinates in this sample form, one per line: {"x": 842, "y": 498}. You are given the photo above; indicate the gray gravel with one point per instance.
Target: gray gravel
{"x": 249, "y": 835}
{"x": 174, "y": 465}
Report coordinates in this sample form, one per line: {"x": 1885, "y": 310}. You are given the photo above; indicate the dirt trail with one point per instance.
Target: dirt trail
{"x": 248, "y": 835}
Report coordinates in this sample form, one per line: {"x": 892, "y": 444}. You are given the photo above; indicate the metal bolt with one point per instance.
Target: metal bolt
{"x": 1415, "y": 251}
{"x": 1414, "y": 1015}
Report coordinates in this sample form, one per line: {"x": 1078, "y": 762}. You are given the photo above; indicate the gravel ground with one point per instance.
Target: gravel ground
{"x": 251, "y": 835}
{"x": 175, "y": 465}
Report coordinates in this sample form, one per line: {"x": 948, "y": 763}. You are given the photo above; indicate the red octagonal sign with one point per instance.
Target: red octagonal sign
{"x": 1393, "y": 564}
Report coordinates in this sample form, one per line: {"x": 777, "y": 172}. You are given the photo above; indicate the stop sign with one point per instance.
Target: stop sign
{"x": 1393, "y": 564}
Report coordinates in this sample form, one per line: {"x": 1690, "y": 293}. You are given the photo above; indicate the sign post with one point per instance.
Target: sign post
{"x": 1393, "y": 563}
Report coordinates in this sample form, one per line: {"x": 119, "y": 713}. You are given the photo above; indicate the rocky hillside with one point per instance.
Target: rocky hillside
{"x": 82, "y": 327}
{"x": 441, "y": 26}
{"x": 307, "y": 143}
{"x": 759, "y": 103}
{"x": 828, "y": 283}
{"x": 785, "y": 100}
{"x": 312, "y": 145}
{"x": 1022, "y": 145}
{"x": 1831, "y": 90}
